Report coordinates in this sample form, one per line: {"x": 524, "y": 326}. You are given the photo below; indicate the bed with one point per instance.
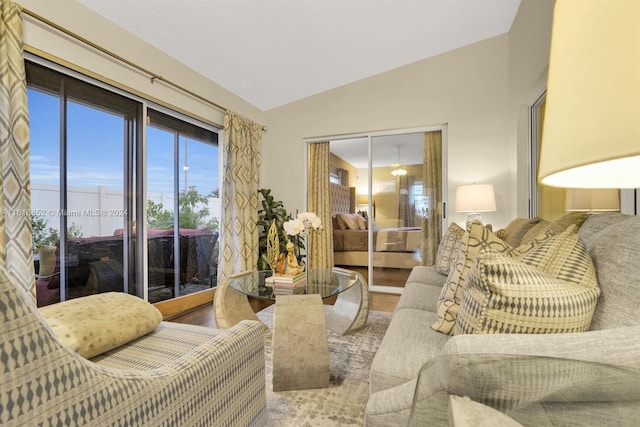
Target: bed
{"x": 397, "y": 247}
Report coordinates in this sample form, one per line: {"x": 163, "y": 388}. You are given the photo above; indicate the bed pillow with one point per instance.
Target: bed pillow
{"x": 362, "y": 223}
{"x": 347, "y": 221}
{"x": 448, "y": 248}
{"x": 509, "y": 295}
{"x": 476, "y": 238}
{"x": 97, "y": 323}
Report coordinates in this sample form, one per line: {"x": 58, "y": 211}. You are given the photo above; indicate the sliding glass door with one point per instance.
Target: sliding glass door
{"x": 396, "y": 183}
{"x": 81, "y": 186}
{"x": 183, "y": 207}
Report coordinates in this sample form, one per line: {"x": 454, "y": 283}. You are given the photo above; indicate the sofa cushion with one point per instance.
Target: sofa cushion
{"x": 428, "y": 275}
{"x": 612, "y": 241}
{"x": 476, "y": 238}
{"x": 168, "y": 342}
{"x": 448, "y": 248}
{"x": 557, "y": 226}
{"x": 97, "y": 323}
{"x": 408, "y": 343}
{"x": 419, "y": 295}
{"x": 516, "y": 229}
{"x": 506, "y": 295}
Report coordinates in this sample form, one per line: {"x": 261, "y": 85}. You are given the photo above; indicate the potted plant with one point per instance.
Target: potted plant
{"x": 272, "y": 211}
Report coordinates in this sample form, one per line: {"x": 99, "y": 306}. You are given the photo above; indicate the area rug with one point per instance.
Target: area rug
{"x": 343, "y": 403}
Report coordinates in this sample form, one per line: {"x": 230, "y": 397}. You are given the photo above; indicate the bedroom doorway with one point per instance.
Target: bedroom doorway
{"x": 386, "y": 203}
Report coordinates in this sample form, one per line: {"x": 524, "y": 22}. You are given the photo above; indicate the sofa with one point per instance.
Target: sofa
{"x": 121, "y": 365}
{"x": 454, "y": 364}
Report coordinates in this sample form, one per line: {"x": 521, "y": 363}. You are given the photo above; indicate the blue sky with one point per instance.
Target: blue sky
{"x": 95, "y": 150}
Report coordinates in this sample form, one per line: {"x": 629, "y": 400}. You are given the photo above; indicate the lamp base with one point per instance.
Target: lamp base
{"x": 473, "y": 216}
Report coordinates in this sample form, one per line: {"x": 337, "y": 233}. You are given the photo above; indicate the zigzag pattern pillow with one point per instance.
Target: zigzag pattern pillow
{"x": 476, "y": 238}
{"x": 552, "y": 289}
{"x": 448, "y": 249}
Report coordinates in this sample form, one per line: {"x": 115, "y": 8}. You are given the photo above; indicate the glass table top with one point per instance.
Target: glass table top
{"x": 326, "y": 283}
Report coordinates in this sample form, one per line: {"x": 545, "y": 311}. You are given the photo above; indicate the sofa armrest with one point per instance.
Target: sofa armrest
{"x": 511, "y": 371}
{"x": 619, "y": 346}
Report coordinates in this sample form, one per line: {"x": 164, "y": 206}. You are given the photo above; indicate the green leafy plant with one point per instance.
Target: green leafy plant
{"x": 193, "y": 212}
{"x": 43, "y": 235}
{"x": 272, "y": 211}
{"x": 48, "y": 236}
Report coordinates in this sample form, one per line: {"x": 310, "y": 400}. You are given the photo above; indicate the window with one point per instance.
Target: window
{"x": 86, "y": 151}
{"x": 182, "y": 176}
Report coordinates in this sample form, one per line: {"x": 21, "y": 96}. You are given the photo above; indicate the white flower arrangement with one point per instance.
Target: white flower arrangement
{"x": 304, "y": 221}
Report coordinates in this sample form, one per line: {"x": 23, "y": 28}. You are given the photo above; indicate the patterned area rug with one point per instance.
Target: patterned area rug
{"x": 343, "y": 403}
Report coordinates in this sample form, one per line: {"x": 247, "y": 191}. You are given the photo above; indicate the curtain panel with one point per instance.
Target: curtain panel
{"x": 319, "y": 201}
{"x": 432, "y": 188}
{"x": 16, "y": 244}
{"x": 239, "y": 231}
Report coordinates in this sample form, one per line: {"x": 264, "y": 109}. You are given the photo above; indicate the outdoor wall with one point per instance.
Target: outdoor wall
{"x": 477, "y": 90}
{"x": 95, "y": 211}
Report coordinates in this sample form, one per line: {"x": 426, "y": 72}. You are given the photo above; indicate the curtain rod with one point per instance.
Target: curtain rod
{"x": 153, "y": 75}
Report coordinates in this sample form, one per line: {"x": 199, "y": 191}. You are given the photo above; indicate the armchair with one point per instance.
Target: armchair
{"x": 177, "y": 375}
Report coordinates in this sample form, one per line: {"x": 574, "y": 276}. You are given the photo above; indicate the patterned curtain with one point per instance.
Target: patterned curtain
{"x": 239, "y": 232}
{"x": 16, "y": 253}
{"x": 432, "y": 188}
{"x": 319, "y": 201}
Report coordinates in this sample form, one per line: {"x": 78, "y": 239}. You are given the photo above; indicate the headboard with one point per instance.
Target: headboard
{"x": 340, "y": 199}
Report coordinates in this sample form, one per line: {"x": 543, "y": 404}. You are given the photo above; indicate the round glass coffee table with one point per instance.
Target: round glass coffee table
{"x": 300, "y": 347}
{"x": 350, "y": 311}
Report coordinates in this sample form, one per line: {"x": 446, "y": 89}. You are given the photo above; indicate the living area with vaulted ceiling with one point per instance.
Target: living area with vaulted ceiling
{"x": 319, "y": 213}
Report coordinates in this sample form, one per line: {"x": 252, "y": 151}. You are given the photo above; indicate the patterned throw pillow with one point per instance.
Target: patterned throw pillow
{"x": 557, "y": 226}
{"x": 553, "y": 289}
{"x": 478, "y": 237}
{"x": 448, "y": 248}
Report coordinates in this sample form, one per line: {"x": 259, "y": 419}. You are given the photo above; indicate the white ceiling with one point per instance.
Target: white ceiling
{"x": 272, "y": 52}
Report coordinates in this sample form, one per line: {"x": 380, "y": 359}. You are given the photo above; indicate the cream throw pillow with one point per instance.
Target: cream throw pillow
{"x": 476, "y": 238}
{"x": 448, "y": 248}
{"x": 97, "y": 323}
{"x": 553, "y": 289}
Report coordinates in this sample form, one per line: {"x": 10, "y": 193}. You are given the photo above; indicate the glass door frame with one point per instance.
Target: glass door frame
{"x": 369, "y": 136}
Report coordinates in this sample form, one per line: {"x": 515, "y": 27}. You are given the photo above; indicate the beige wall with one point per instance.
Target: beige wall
{"x": 476, "y": 90}
{"x": 80, "y": 20}
{"x": 529, "y": 41}
{"x": 480, "y": 91}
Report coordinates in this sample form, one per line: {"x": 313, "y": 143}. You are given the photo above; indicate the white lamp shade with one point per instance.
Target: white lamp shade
{"x": 592, "y": 200}
{"x": 591, "y": 135}
{"x": 475, "y": 198}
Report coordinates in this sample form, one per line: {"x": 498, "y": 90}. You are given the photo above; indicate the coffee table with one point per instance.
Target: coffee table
{"x": 348, "y": 314}
{"x": 300, "y": 342}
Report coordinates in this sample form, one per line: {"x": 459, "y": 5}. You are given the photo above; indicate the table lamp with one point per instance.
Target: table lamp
{"x": 591, "y": 134}
{"x": 475, "y": 198}
{"x": 592, "y": 200}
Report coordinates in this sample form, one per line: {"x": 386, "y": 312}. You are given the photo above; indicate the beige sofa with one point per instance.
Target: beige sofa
{"x": 613, "y": 243}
